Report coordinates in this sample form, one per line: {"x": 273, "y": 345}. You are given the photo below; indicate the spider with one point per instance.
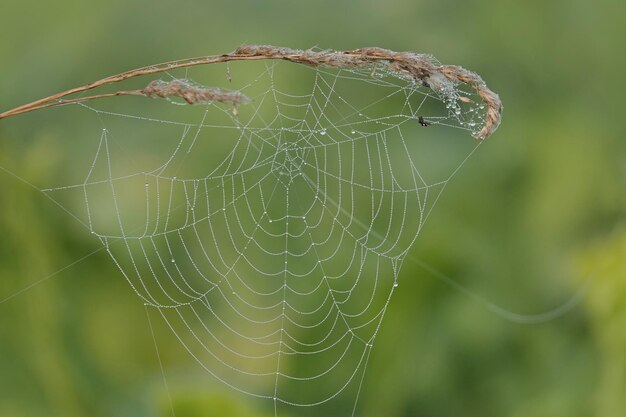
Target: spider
{"x": 423, "y": 122}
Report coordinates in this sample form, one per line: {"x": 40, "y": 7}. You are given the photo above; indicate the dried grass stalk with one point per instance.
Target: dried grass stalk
{"x": 420, "y": 67}
{"x": 193, "y": 93}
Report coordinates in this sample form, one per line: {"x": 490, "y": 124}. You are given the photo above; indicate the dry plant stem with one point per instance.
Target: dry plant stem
{"x": 420, "y": 67}
{"x": 192, "y": 93}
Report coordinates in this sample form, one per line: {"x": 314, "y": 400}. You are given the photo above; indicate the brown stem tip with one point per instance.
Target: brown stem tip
{"x": 193, "y": 93}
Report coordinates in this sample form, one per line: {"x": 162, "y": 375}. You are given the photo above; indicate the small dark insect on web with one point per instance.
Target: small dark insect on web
{"x": 423, "y": 122}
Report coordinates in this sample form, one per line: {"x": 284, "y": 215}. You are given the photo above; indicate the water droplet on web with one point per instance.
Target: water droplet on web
{"x": 323, "y": 132}
{"x": 173, "y": 260}
{"x": 395, "y": 285}
{"x": 353, "y": 131}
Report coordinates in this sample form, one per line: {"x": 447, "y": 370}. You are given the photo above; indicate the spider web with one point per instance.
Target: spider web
{"x": 271, "y": 241}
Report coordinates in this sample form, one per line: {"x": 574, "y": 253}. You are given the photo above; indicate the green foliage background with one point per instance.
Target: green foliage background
{"x": 535, "y": 215}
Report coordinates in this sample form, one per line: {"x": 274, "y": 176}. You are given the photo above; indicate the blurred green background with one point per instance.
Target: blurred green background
{"x": 535, "y": 217}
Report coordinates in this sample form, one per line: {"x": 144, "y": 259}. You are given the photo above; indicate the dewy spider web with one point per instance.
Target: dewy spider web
{"x": 270, "y": 239}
